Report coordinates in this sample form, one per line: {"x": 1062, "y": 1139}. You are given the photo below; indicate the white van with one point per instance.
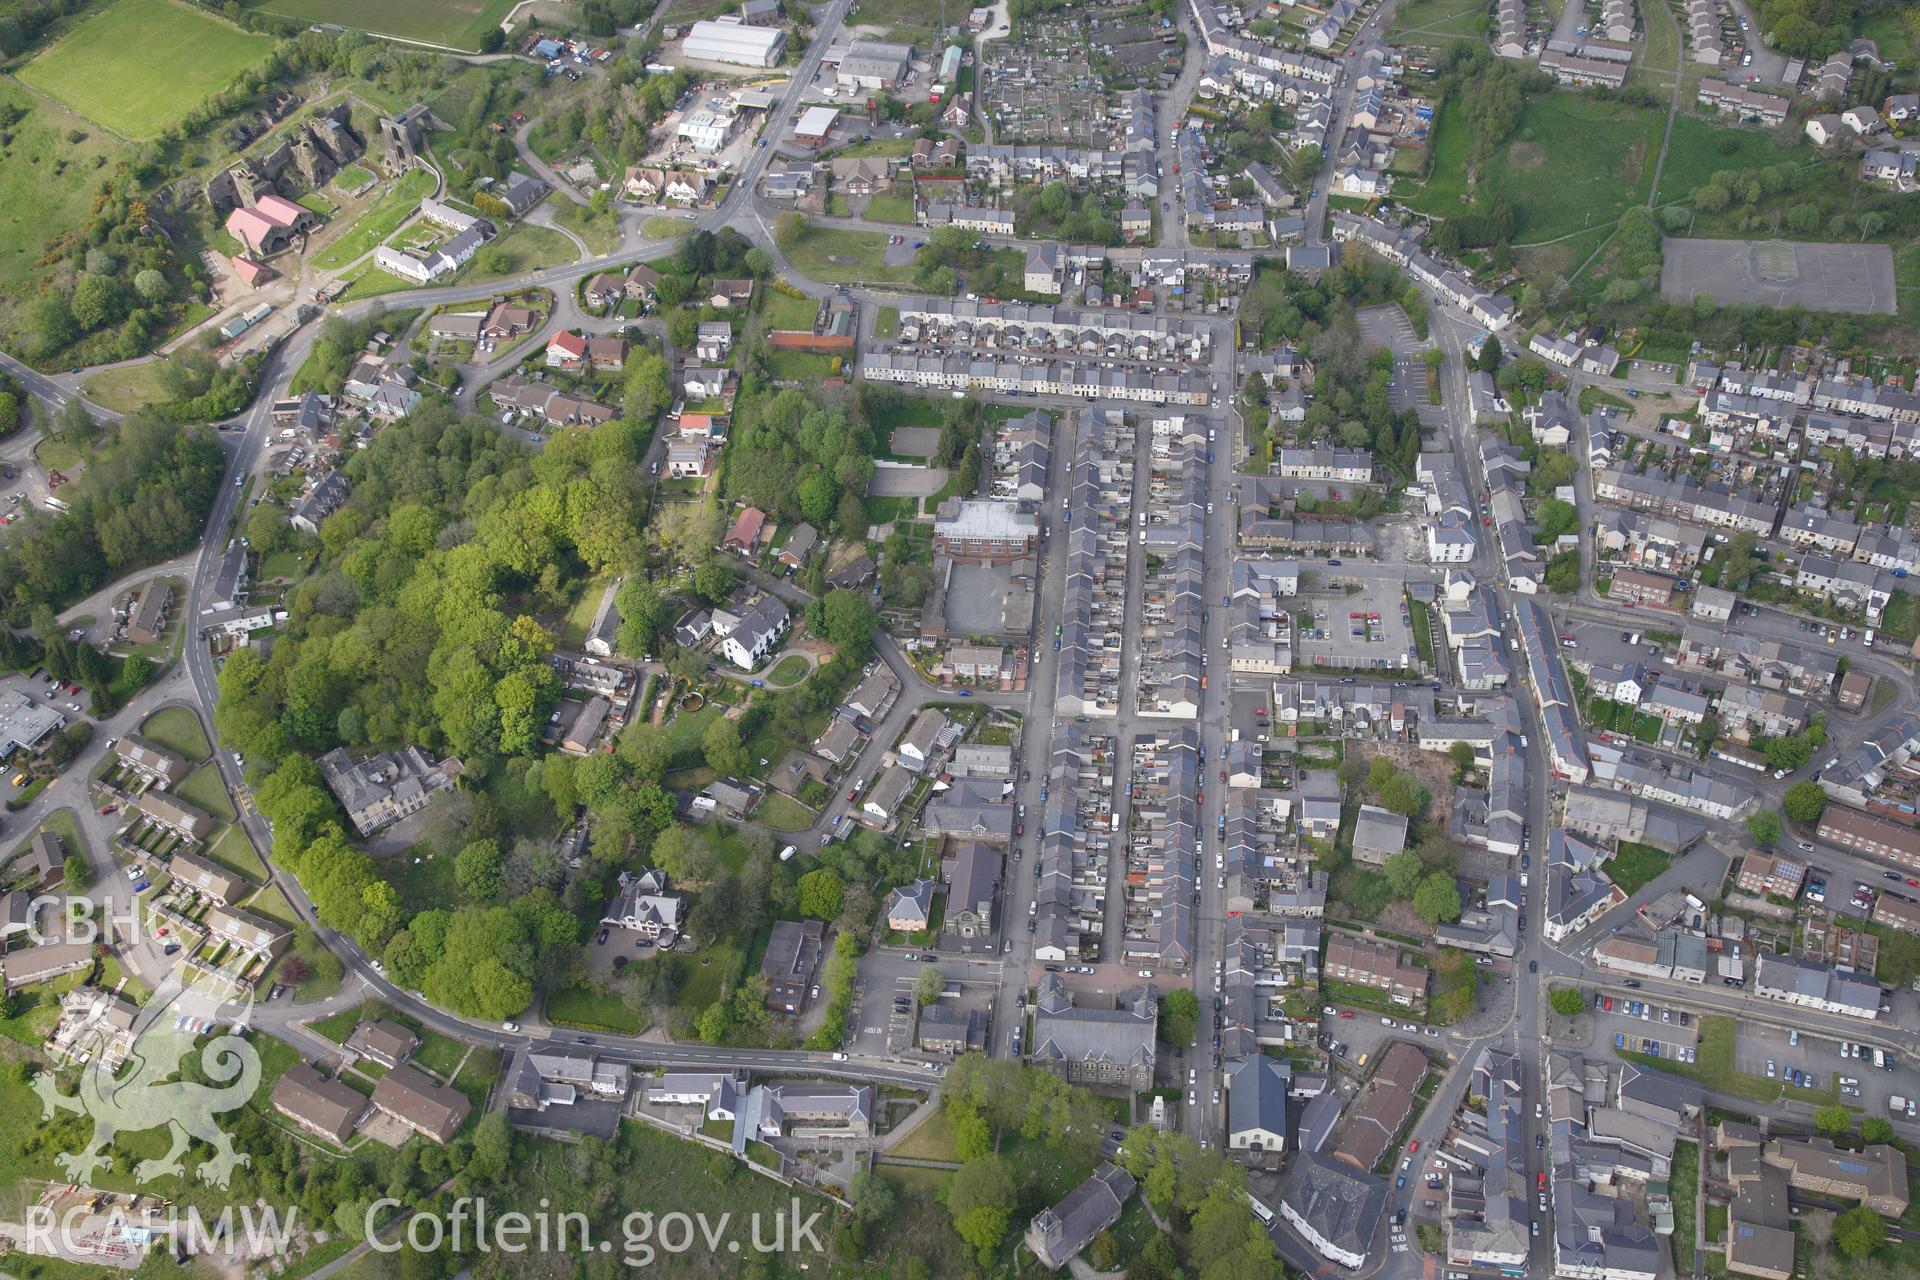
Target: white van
{"x": 787, "y": 853}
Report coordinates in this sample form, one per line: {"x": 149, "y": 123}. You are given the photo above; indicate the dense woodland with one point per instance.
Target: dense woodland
{"x": 143, "y": 497}
{"x": 422, "y": 624}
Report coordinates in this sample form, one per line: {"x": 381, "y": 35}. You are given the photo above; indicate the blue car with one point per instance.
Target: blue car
{"x": 143, "y": 886}
{"x": 1619, "y": 1039}
{"x": 966, "y": 693}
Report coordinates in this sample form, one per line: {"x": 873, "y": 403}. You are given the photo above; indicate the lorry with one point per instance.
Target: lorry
{"x": 1901, "y": 1106}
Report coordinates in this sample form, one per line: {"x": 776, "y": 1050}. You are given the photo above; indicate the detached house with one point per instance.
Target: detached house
{"x": 566, "y": 351}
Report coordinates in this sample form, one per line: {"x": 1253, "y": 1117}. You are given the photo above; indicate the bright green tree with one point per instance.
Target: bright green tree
{"x": 1437, "y": 900}
{"x": 1179, "y": 1016}
{"x": 821, "y": 891}
{"x": 1804, "y": 801}
{"x": 1859, "y": 1231}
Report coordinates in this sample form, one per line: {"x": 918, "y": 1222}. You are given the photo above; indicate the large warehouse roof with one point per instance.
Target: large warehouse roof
{"x": 735, "y": 42}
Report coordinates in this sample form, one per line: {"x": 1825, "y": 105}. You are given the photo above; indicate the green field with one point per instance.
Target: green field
{"x": 1573, "y": 162}
{"x": 602, "y": 235}
{"x": 177, "y": 729}
{"x": 138, "y": 66}
{"x": 1435, "y": 22}
{"x": 846, "y": 257}
{"x": 48, "y": 180}
{"x": 204, "y": 790}
{"x": 1700, "y": 148}
{"x": 526, "y": 247}
{"x": 128, "y": 387}
{"x": 380, "y": 220}
{"x": 659, "y": 228}
{"x": 458, "y": 24}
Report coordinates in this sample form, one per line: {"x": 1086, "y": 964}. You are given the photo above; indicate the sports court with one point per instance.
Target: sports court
{"x": 1855, "y": 278}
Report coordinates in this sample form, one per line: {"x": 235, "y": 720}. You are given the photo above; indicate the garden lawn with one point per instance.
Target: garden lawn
{"x": 273, "y": 904}
{"x": 592, "y": 1009}
{"x": 525, "y": 248}
{"x": 423, "y": 884}
{"x": 204, "y": 790}
{"x": 780, "y": 812}
{"x": 931, "y": 1139}
{"x": 701, "y": 984}
{"x": 373, "y": 282}
{"x": 235, "y": 852}
{"x": 177, "y": 729}
{"x": 456, "y": 23}
{"x": 380, "y": 220}
{"x": 839, "y": 256}
{"x": 790, "y": 670}
{"x": 139, "y": 66}
{"x": 1635, "y": 865}
{"x": 663, "y": 228}
{"x": 1686, "y": 1179}
{"x": 61, "y": 823}
{"x": 784, "y": 312}
{"x": 890, "y": 208}
{"x": 801, "y": 366}
{"x": 573, "y": 630}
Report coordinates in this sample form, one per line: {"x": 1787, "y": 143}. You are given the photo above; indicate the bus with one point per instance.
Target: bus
{"x": 1260, "y": 1211}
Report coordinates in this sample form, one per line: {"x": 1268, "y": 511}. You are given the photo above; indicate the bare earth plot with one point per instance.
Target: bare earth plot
{"x": 1856, "y": 278}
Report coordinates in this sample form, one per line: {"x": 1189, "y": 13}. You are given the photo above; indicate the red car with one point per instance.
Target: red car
{"x": 1912, "y": 883}
{"x": 1346, "y": 1013}
{"x": 109, "y": 808}
{"x": 1223, "y": 775}
{"x": 1413, "y": 1146}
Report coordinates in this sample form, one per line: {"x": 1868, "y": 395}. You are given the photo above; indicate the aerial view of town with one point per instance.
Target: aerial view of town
{"x": 885, "y": 640}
